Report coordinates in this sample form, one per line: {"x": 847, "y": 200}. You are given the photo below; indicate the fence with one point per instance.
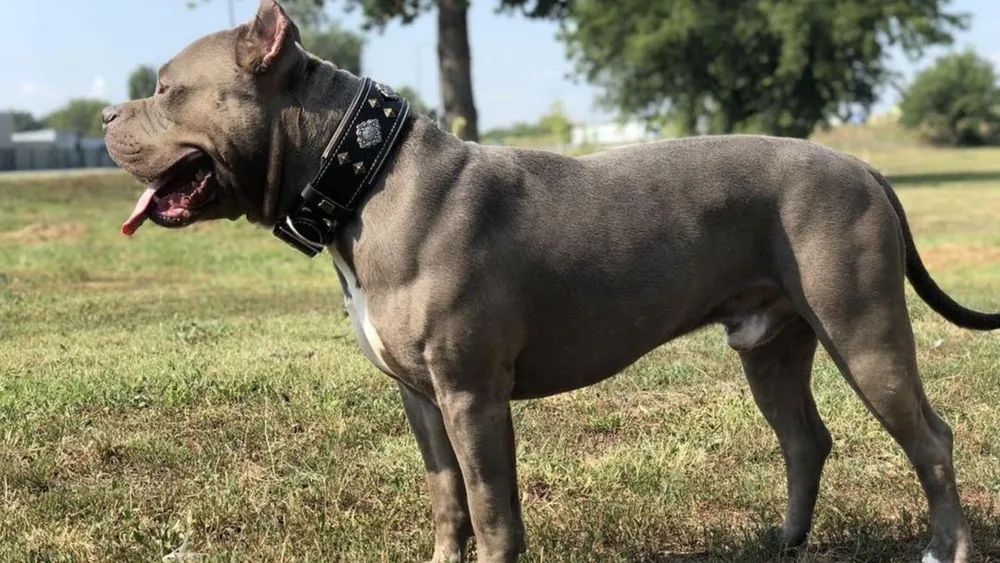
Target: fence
{"x": 52, "y": 158}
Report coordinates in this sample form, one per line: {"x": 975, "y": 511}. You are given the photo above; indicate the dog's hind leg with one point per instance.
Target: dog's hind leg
{"x": 850, "y": 287}
{"x": 452, "y": 524}
{"x": 779, "y": 374}
{"x": 875, "y": 352}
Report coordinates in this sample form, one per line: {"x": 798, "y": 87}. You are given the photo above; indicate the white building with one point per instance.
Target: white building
{"x": 48, "y": 138}
{"x": 611, "y": 133}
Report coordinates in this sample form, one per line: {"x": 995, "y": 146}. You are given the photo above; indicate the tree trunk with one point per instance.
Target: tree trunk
{"x": 690, "y": 122}
{"x": 728, "y": 123}
{"x": 455, "y": 66}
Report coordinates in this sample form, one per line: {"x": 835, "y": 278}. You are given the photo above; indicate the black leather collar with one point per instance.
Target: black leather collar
{"x": 349, "y": 167}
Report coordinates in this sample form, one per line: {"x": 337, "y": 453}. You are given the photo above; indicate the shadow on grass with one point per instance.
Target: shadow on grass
{"x": 862, "y": 541}
{"x": 932, "y": 178}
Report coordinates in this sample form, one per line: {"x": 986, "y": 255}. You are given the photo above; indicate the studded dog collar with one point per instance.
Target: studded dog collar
{"x": 349, "y": 167}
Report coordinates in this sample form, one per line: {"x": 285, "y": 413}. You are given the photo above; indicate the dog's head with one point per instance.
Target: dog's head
{"x": 202, "y": 142}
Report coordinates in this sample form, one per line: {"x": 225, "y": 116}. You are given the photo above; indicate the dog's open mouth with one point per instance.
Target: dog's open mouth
{"x": 177, "y": 197}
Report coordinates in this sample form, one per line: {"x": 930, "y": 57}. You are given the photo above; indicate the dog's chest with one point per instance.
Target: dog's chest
{"x": 356, "y": 303}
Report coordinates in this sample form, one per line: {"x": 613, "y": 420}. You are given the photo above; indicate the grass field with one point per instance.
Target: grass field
{"x": 204, "y": 385}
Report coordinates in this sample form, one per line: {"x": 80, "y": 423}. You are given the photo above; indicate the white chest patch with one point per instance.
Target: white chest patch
{"x": 929, "y": 558}
{"x": 356, "y": 303}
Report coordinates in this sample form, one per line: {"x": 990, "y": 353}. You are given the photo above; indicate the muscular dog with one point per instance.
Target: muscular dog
{"x": 478, "y": 275}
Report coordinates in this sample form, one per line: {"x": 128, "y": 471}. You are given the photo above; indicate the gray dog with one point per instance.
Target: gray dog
{"x": 478, "y": 275}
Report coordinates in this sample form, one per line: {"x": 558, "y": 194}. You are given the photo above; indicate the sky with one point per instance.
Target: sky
{"x": 54, "y": 50}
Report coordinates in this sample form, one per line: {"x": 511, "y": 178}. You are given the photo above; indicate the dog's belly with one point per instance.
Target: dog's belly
{"x": 588, "y": 349}
{"x": 580, "y": 353}
{"x": 356, "y": 303}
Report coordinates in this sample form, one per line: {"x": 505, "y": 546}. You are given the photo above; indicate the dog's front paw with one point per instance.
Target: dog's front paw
{"x": 781, "y": 540}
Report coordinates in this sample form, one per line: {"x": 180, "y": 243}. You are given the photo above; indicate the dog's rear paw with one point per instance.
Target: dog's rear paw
{"x": 946, "y": 552}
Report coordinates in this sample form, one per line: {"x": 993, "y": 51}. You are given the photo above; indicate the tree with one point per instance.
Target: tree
{"x": 556, "y": 123}
{"x": 333, "y": 43}
{"x": 552, "y": 128}
{"x": 956, "y": 101}
{"x": 25, "y": 121}
{"x": 142, "y": 82}
{"x": 82, "y": 115}
{"x": 417, "y": 103}
{"x": 454, "y": 59}
{"x": 779, "y": 67}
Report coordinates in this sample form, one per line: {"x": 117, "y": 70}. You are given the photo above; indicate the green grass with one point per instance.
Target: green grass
{"x": 205, "y": 385}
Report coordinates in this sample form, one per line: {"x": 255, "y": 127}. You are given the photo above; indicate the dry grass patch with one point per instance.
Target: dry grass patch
{"x": 37, "y": 233}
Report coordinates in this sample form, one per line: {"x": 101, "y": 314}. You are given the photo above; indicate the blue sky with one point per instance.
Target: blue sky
{"x": 52, "y": 50}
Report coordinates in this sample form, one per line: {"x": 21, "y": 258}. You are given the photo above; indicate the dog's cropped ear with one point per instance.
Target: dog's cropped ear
{"x": 268, "y": 39}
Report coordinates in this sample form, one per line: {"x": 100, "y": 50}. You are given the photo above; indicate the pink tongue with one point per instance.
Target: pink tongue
{"x": 138, "y": 216}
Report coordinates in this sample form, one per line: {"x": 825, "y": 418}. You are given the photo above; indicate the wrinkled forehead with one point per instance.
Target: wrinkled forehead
{"x": 205, "y": 58}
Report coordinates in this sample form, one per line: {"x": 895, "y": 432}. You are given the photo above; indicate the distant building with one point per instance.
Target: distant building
{"x": 48, "y": 149}
{"x": 6, "y": 144}
{"x": 6, "y": 130}
{"x": 612, "y": 133}
{"x": 48, "y": 138}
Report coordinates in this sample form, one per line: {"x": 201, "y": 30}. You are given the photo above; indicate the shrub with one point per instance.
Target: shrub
{"x": 955, "y": 101}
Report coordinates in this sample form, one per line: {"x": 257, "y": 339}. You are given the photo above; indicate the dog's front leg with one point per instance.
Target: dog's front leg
{"x": 452, "y": 526}
{"x": 479, "y": 426}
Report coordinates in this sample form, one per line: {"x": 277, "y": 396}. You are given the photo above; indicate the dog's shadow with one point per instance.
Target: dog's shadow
{"x": 864, "y": 542}
{"x": 934, "y": 178}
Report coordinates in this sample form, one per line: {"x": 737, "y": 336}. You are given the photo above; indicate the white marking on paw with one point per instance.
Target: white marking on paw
{"x": 930, "y": 558}
{"x": 357, "y": 308}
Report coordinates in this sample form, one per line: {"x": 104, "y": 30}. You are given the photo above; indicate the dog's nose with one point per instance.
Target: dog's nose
{"x": 108, "y": 115}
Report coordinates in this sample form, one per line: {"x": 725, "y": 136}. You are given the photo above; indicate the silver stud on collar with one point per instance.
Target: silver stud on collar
{"x": 343, "y": 158}
{"x": 369, "y": 133}
{"x": 359, "y": 168}
{"x": 385, "y": 90}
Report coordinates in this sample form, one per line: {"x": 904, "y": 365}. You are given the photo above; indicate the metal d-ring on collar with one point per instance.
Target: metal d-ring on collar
{"x": 349, "y": 167}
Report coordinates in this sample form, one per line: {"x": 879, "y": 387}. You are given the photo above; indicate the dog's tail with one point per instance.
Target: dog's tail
{"x": 923, "y": 284}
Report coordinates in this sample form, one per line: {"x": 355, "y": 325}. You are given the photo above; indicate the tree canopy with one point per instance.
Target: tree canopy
{"x": 25, "y": 121}
{"x": 331, "y": 42}
{"x": 417, "y": 104}
{"x": 955, "y": 101}
{"x": 776, "y": 67}
{"x": 142, "y": 82}
{"x": 81, "y": 114}
{"x": 553, "y": 128}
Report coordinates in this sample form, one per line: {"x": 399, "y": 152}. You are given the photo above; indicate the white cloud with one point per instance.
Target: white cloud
{"x": 27, "y": 88}
{"x": 35, "y": 96}
{"x": 99, "y": 87}
{"x": 33, "y": 89}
